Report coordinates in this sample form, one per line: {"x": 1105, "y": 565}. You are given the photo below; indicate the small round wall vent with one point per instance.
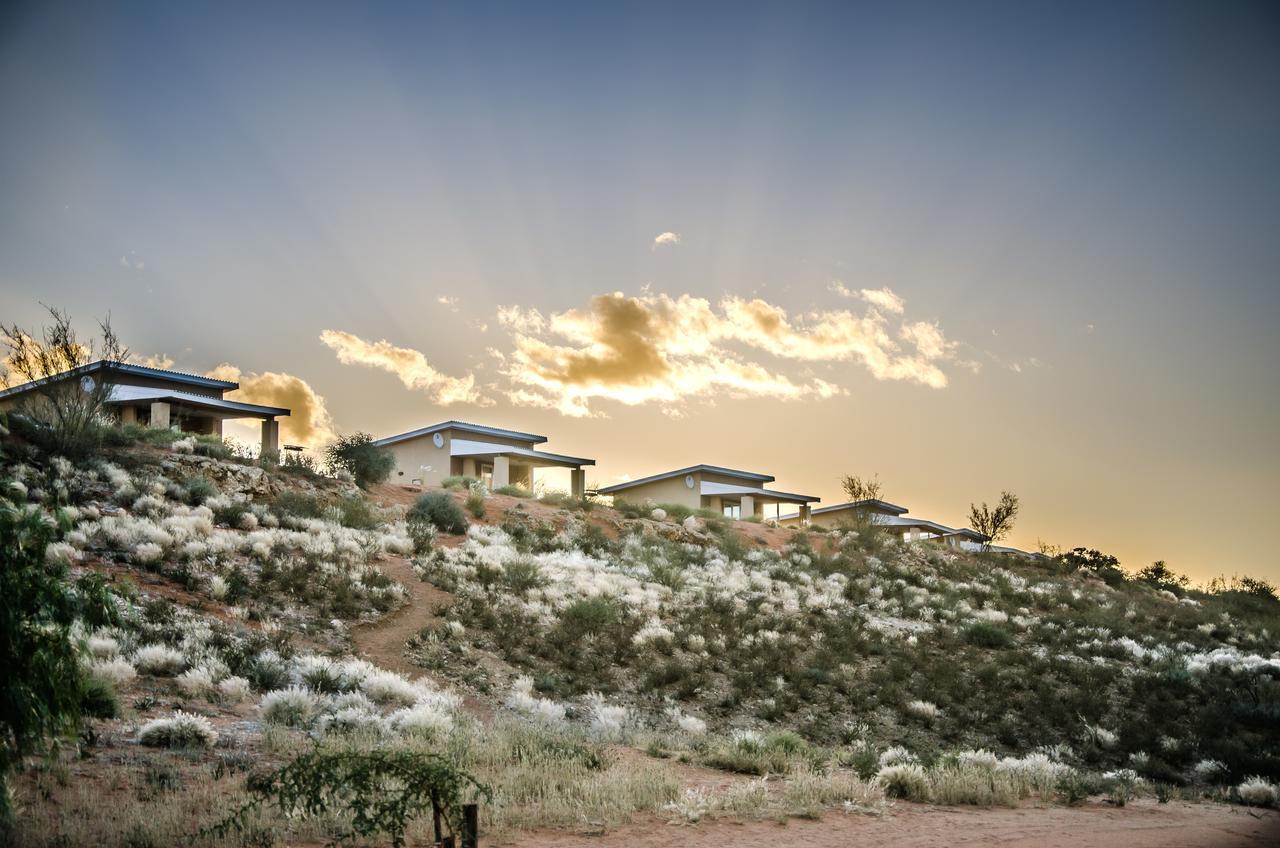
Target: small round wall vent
{"x": 438, "y": 439}
{"x": 688, "y": 481}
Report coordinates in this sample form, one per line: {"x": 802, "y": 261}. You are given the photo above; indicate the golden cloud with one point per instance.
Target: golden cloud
{"x": 308, "y": 422}
{"x": 409, "y": 365}
{"x": 656, "y": 348}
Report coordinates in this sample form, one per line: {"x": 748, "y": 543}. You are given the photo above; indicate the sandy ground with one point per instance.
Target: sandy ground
{"x": 1140, "y": 825}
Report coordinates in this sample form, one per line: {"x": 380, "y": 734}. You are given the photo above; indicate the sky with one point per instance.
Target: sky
{"x": 966, "y": 248}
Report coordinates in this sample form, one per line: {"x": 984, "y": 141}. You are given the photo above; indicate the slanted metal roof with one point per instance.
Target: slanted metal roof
{"x": 479, "y": 429}
{"x": 712, "y": 469}
{"x": 127, "y": 368}
{"x": 138, "y": 394}
{"x": 716, "y": 489}
{"x": 467, "y": 447}
{"x": 871, "y": 503}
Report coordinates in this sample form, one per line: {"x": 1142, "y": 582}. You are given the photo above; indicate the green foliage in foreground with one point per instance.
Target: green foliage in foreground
{"x": 382, "y": 791}
{"x": 43, "y": 694}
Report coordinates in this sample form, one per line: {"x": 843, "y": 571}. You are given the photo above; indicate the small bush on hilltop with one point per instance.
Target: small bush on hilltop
{"x": 356, "y": 454}
{"x": 438, "y": 510}
{"x": 1086, "y": 559}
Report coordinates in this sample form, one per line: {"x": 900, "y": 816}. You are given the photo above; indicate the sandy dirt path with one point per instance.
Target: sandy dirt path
{"x": 382, "y": 642}
{"x": 1140, "y": 825}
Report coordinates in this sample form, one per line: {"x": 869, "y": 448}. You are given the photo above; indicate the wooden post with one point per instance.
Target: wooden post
{"x": 470, "y": 826}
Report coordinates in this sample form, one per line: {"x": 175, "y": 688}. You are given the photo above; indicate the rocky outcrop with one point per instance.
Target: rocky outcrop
{"x": 251, "y": 481}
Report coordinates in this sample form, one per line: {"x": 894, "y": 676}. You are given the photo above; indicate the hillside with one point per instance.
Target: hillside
{"x": 599, "y": 666}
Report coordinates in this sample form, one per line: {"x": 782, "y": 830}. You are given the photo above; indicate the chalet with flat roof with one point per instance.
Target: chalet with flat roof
{"x": 736, "y": 494}
{"x": 496, "y": 456}
{"x": 156, "y": 397}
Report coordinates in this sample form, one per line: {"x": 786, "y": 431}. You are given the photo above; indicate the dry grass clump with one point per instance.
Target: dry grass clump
{"x": 159, "y": 660}
{"x": 181, "y": 730}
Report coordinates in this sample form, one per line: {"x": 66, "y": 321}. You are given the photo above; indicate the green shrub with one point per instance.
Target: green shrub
{"x": 367, "y": 463}
{"x": 984, "y": 634}
{"x": 513, "y": 491}
{"x": 42, "y": 695}
{"x": 475, "y": 503}
{"x": 459, "y": 481}
{"x": 199, "y": 489}
{"x": 379, "y": 791}
{"x": 99, "y": 699}
{"x": 439, "y": 510}
{"x": 298, "y": 504}
{"x": 215, "y": 447}
{"x": 358, "y": 513}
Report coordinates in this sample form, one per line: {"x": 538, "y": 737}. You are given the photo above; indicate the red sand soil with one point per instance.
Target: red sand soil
{"x": 1143, "y": 824}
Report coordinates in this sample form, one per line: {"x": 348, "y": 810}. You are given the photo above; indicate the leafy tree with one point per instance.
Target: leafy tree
{"x": 361, "y": 458}
{"x": 382, "y": 791}
{"x": 861, "y": 488}
{"x": 1162, "y": 577}
{"x": 43, "y": 690}
{"x": 996, "y": 523}
{"x": 70, "y": 409}
{"x": 1087, "y": 559}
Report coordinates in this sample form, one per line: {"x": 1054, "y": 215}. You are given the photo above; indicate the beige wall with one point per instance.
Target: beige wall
{"x": 671, "y": 490}
{"x": 412, "y": 454}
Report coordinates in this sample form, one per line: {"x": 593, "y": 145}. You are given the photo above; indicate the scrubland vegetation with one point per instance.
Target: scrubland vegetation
{"x": 204, "y": 606}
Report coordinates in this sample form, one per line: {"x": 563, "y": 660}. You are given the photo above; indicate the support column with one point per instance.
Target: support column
{"x": 128, "y": 415}
{"x": 577, "y": 482}
{"x": 715, "y": 503}
{"x": 215, "y": 428}
{"x": 270, "y": 435}
{"x": 160, "y": 415}
{"x": 804, "y": 513}
{"x": 746, "y": 507}
{"x": 501, "y": 471}
{"x": 469, "y": 466}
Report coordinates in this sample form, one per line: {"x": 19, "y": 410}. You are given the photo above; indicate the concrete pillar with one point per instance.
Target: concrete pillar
{"x": 501, "y": 471}
{"x": 804, "y": 513}
{"x": 577, "y": 482}
{"x": 128, "y": 415}
{"x": 270, "y": 435}
{"x": 715, "y": 503}
{"x": 747, "y": 507}
{"x": 215, "y": 427}
{"x": 160, "y": 415}
{"x": 469, "y": 466}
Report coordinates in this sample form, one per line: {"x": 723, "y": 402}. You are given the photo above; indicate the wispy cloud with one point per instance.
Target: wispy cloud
{"x": 882, "y": 298}
{"x": 667, "y": 238}
{"x": 661, "y": 349}
{"x": 308, "y": 422}
{"x": 409, "y": 365}
{"x": 449, "y": 301}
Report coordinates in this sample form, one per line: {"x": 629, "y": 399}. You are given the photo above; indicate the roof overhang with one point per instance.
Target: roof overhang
{"x": 126, "y": 395}
{"x": 720, "y": 489}
{"x": 178, "y": 377}
{"x": 749, "y": 476}
{"x": 462, "y": 426}
{"x": 871, "y": 505}
{"x": 468, "y": 447}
